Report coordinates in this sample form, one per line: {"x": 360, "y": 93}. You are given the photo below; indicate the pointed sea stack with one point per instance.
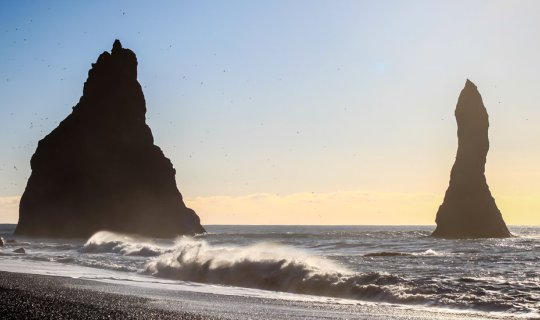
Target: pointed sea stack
{"x": 100, "y": 170}
{"x": 469, "y": 210}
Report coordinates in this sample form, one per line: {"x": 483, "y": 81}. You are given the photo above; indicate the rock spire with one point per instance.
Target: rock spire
{"x": 469, "y": 209}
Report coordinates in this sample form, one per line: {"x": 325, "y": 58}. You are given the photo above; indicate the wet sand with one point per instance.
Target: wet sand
{"x": 36, "y": 296}
{"x": 28, "y": 296}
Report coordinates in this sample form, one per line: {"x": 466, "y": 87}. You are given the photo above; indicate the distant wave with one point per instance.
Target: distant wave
{"x": 428, "y": 252}
{"x": 387, "y": 254}
{"x": 105, "y": 241}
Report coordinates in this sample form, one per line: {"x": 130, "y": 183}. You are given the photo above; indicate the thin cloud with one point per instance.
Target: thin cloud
{"x": 10, "y": 201}
{"x": 9, "y": 209}
{"x": 338, "y": 207}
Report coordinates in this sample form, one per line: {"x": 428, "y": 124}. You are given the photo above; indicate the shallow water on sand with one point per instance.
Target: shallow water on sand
{"x": 400, "y": 265}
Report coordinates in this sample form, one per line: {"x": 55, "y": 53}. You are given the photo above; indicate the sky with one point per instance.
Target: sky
{"x": 291, "y": 112}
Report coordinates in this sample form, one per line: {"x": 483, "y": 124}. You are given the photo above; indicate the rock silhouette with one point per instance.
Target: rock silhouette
{"x": 100, "y": 170}
{"x": 469, "y": 210}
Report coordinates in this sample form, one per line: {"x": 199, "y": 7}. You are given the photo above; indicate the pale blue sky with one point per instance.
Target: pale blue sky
{"x": 282, "y": 97}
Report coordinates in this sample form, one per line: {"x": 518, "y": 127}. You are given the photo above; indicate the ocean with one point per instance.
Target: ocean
{"x": 398, "y": 266}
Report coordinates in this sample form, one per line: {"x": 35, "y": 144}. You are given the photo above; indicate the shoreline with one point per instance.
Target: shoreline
{"x": 36, "y": 296}
{"x": 32, "y": 296}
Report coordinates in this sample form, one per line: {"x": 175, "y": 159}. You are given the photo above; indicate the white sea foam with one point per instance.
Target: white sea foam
{"x": 430, "y": 252}
{"x": 270, "y": 266}
{"x": 349, "y": 262}
{"x": 104, "y": 241}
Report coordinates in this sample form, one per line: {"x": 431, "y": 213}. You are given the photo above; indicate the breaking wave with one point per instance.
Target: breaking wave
{"x": 283, "y": 268}
{"x": 105, "y": 242}
{"x": 273, "y": 267}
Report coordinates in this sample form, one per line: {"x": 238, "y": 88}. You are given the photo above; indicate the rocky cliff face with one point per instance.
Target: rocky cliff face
{"x": 100, "y": 170}
{"x": 469, "y": 210}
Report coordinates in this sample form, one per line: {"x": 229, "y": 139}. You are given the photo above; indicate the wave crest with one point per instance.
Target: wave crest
{"x": 275, "y": 267}
{"x": 270, "y": 266}
{"x": 428, "y": 252}
{"x": 105, "y": 242}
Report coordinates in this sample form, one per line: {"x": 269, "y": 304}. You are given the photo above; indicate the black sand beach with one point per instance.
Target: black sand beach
{"x": 27, "y": 296}
{"x": 34, "y": 296}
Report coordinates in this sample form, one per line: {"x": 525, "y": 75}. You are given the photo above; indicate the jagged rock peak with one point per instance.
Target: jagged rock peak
{"x": 120, "y": 62}
{"x": 116, "y": 46}
{"x": 109, "y": 78}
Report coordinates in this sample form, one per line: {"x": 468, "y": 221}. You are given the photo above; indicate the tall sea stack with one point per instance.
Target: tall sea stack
{"x": 469, "y": 210}
{"x": 100, "y": 170}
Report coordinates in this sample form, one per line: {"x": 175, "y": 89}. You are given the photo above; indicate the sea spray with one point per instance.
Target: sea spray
{"x": 332, "y": 264}
{"x": 495, "y": 275}
{"x": 270, "y": 266}
{"x": 105, "y": 241}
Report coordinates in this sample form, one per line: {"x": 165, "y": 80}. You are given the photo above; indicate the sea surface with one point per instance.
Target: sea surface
{"x": 396, "y": 265}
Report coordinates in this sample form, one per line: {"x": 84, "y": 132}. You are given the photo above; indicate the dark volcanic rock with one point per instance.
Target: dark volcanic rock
{"x": 100, "y": 170}
{"x": 469, "y": 210}
{"x": 20, "y": 250}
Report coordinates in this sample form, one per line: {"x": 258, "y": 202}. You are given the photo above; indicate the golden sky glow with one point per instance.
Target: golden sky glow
{"x": 333, "y": 208}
